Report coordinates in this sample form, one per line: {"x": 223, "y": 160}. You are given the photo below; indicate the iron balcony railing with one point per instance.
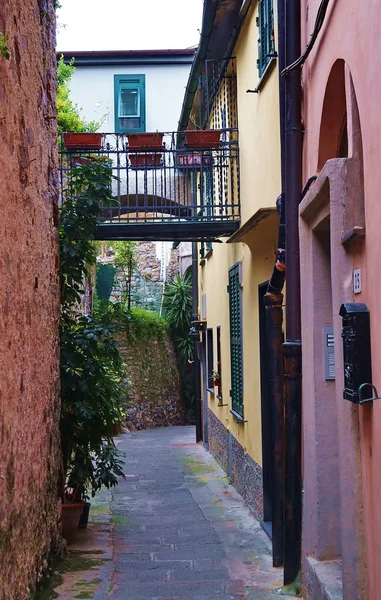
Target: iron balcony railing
{"x": 174, "y": 191}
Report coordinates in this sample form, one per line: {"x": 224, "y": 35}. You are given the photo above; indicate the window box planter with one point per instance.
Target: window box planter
{"x": 195, "y": 161}
{"x": 87, "y": 141}
{"x": 203, "y": 138}
{"x": 145, "y": 160}
{"x": 145, "y": 141}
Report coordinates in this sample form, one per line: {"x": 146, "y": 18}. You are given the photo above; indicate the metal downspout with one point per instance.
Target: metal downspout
{"x": 292, "y": 346}
{"x": 196, "y": 361}
{"x": 274, "y": 329}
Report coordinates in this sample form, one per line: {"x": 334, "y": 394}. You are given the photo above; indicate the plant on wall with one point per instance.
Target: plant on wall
{"x": 69, "y": 116}
{"x": 91, "y": 367}
{"x": 4, "y": 49}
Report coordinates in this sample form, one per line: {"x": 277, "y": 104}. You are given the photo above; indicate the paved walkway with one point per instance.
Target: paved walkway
{"x": 180, "y": 531}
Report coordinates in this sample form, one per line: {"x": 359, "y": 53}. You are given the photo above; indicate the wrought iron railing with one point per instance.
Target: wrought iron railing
{"x": 169, "y": 184}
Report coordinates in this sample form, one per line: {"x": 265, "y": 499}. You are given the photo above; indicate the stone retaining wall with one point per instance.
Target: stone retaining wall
{"x": 154, "y": 385}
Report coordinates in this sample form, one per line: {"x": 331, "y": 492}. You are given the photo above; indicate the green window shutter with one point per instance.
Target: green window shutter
{"x": 235, "y": 312}
{"x": 265, "y": 34}
{"x": 129, "y": 103}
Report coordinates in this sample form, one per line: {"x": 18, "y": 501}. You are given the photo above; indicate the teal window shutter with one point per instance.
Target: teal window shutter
{"x": 235, "y": 313}
{"x": 129, "y": 103}
{"x": 266, "y": 34}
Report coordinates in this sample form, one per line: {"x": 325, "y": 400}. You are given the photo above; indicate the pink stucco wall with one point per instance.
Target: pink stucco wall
{"x": 351, "y": 32}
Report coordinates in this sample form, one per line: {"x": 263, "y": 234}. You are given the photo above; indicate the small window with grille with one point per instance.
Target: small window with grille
{"x": 265, "y": 22}
{"x": 129, "y": 93}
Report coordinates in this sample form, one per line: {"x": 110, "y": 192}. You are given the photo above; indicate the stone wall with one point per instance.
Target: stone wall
{"x": 245, "y": 474}
{"x": 29, "y": 297}
{"x": 154, "y": 384}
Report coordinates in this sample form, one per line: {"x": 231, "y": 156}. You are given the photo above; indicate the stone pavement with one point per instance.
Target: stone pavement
{"x": 178, "y": 531}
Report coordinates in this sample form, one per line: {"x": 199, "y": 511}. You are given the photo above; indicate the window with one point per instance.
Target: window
{"x": 235, "y": 313}
{"x": 210, "y": 357}
{"x": 265, "y": 24}
{"x": 219, "y": 361}
{"x": 130, "y": 104}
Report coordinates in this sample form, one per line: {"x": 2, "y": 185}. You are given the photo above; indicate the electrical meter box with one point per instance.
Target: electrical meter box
{"x": 356, "y": 348}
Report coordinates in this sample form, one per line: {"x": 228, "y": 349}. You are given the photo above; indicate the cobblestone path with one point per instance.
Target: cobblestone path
{"x": 181, "y": 532}
{"x": 175, "y": 529}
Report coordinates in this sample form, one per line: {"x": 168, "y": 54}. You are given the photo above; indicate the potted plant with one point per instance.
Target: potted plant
{"x": 145, "y": 141}
{"x": 91, "y": 368}
{"x": 88, "y": 141}
{"x": 194, "y": 160}
{"x": 216, "y": 378}
{"x": 202, "y": 138}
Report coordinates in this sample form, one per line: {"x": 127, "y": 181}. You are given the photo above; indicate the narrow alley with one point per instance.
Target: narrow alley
{"x": 177, "y": 530}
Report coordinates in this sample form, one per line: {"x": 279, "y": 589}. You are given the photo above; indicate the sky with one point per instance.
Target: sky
{"x": 128, "y": 24}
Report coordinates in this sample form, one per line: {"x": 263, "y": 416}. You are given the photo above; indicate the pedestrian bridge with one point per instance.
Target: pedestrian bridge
{"x": 177, "y": 189}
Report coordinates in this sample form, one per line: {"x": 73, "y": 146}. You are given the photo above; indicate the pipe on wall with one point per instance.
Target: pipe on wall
{"x": 292, "y": 346}
{"x": 196, "y": 361}
{"x": 274, "y": 328}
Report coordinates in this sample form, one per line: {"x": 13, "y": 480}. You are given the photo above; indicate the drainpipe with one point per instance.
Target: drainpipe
{"x": 196, "y": 334}
{"x": 274, "y": 329}
{"x": 292, "y": 346}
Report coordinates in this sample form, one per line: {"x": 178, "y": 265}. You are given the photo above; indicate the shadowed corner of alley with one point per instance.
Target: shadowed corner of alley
{"x": 174, "y": 529}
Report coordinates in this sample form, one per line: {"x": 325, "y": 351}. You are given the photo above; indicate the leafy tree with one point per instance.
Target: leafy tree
{"x": 69, "y": 116}
{"x": 125, "y": 262}
{"x": 91, "y": 368}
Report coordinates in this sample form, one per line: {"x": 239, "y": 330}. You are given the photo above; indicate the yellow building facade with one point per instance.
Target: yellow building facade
{"x": 233, "y": 347}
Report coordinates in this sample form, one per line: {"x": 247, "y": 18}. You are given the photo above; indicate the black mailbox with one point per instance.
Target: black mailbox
{"x": 356, "y": 348}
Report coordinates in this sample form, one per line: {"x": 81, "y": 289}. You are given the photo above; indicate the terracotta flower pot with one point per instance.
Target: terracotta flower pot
{"x": 202, "y": 138}
{"x": 145, "y": 141}
{"x": 141, "y": 160}
{"x": 89, "y": 141}
{"x": 70, "y": 516}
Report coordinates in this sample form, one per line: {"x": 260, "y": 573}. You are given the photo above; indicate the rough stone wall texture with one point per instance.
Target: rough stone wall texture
{"x": 154, "y": 384}
{"x": 218, "y": 440}
{"x": 246, "y": 474}
{"x": 29, "y": 297}
{"x": 149, "y": 264}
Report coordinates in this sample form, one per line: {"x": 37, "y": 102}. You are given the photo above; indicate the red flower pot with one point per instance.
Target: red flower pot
{"x": 145, "y": 141}
{"x": 71, "y": 514}
{"x": 89, "y": 141}
{"x": 202, "y": 138}
{"x": 144, "y": 160}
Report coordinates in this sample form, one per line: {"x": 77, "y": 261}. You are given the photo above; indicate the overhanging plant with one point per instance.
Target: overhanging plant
{"x": 91, "y": 367}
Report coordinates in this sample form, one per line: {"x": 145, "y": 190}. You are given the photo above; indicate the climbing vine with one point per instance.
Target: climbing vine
{"x": 4, "y": 50}
{"x": 69, "y": 116}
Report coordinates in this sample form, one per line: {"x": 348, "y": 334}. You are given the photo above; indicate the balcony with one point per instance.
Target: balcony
{"x": 173, "y": 191}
